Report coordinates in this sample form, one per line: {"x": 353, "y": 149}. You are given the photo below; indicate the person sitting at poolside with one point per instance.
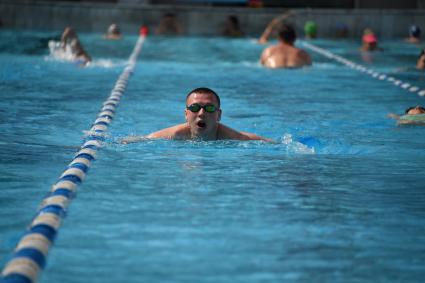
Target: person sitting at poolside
{"x": 113, "y": 32}
{"x": 414, "y": 34}
{"x": 70, "y": 40}
{"x": 420, "y": 64}
{"x": 232, "y": 28}
{"x": 169, "y": 25}
{"x": 203, "y": 116}
{"x": 369, "y": 41}
{"x": 285, "y": 54}
{"x": 412, "y": 116}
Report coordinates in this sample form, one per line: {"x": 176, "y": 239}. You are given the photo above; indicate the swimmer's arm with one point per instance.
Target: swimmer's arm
{"x": 264, "y": 56}
{"x": 269, "y": 29}
{"x": 225, "y": 132}
{"x": 252, "y": 136}
{"x": 305, "y": 57}
{"x": 393, "y": 116}
{"x": 180, "y": 131}
{"x": 65, "y": 36}
{"x": 266, "y": 34}
{"x": 132, "y": 139}
{"x": 175, "y": 132}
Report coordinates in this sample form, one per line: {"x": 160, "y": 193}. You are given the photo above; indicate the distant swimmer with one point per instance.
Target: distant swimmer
{"x": 232, "y": 28}
{"x": 169, "y": 25}
{"x": 310, "y": 30}
{"x": 203, "y": 116}
{"x": 113, "y": 32}
{"x": 369, "y": 41}
{"x": 70, "y": 41}
{"x": 412, "y": 116}
{"x": 414, "y": 34}
{"x": 285, "y": 54}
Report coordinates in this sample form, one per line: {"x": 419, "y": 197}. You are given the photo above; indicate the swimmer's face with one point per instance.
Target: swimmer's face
{"x": 415, "y": 111}
{"x": 203, "y": 125}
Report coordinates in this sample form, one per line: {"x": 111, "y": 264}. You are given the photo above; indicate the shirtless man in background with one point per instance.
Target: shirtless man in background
{"x": 285, "y": 54}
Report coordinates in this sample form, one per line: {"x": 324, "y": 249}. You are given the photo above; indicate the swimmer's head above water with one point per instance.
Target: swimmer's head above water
{"x": 113, "y": 32}
{"x": 414, "y": 31}
{"x": 369, "y": 41}
{"x": 287, "y": 34}
{"x": 203, "y": 115}
{"x": 415, "y": 110}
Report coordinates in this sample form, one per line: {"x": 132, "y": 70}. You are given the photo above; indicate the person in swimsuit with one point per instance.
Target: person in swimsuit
{"x": 414, "y": 115}
{"x": 310, "y": 30}
{"x": 169, "y": 25}
{"x": 203, "y": 116}
{"x": 113, "y": 32}
{"x": 70, "y": 40}
{"x": 285, "y": 54}
{"x": 369, "y": 41}
{"x": 414, "y": 35}
{"x": 232, "y": 28}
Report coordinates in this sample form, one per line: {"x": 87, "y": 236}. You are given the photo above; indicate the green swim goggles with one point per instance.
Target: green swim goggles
{"x": 197, "y": 107}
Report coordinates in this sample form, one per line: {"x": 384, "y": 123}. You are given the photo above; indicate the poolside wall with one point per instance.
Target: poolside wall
{"x": 196, "y": 20}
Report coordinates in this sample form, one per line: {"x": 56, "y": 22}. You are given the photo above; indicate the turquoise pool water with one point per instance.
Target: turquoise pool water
{"x": 349, "y": 207}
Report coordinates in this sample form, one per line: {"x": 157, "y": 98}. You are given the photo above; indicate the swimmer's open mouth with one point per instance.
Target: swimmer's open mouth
{"x": 201, "y": 124}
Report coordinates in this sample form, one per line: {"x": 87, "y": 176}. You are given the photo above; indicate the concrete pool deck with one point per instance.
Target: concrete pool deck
{"x": 198, "y": 20}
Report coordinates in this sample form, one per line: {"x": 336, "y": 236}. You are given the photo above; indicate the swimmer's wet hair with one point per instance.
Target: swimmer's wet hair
{"x": 204, "y": 90}
{"x": 413, "y": 107}
{"x": 287, "y": 33}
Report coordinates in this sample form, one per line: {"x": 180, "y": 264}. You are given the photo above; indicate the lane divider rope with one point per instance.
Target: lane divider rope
{"x": 31, "y": 252}
{"x": 380, "y": 76}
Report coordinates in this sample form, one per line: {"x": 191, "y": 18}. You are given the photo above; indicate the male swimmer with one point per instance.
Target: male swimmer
{"x": 203, "y": 116}
{"x": 113, "y": 32}
{"x": 412, "y": 116}
{"x": 70, "y": 39}
{"x": 285, "y": 54}
{"x": 414, "y": 34}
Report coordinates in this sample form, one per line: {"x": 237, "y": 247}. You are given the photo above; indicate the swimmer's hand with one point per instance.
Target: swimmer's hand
{"x": 265, "y": 36}
{"x": 132, "y": 139}
{"x": 393, "y": 116}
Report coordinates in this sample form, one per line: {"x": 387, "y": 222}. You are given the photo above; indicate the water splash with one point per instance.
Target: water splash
{"x": 296, "y": 146}
{"x": 58, "y": 53}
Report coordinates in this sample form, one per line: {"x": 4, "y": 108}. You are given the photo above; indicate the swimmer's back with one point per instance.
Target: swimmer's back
{"x": 280, "y": 56}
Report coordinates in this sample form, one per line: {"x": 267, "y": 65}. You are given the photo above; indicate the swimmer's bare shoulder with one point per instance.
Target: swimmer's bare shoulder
{"x": 182, "y": 132}
{"x": 304, "y": 56}
{"x": 227, "y": 133}
{"x": 178, "y": 132}
{"x": 266, "y": 54}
